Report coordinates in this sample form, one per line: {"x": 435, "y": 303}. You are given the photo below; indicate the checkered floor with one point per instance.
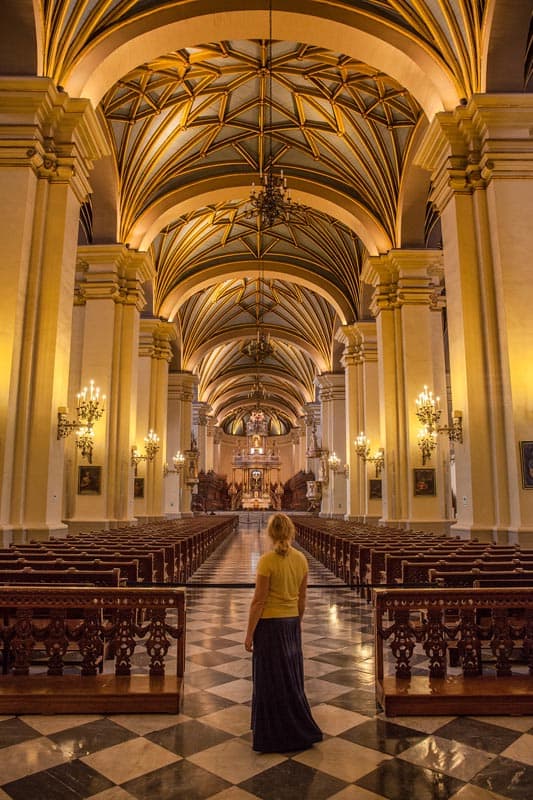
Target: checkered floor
{"x": 205, "y": 751}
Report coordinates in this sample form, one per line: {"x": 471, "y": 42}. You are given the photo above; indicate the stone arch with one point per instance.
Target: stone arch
{"x": 214, "y": 190}
{"x": 104, "y": 198}
{"x": 413, "y": 196}
{"x": 505, "y": 45}
{"x": 272, "y": 269}
{"x": 21, "y": 38}
{"x": 343, "y": 30}
{"x": 249, "y": 331}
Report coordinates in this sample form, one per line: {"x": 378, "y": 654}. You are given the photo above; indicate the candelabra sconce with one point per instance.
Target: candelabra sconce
{"x": 151, "y": 447}
{"x": 428, "y": 414}
{"x": 90, "y": 406}
{"x": 85, "y": 441}
{"x": 362, "y": 448}
{"x": 334, "y": 464}
{"x": 179, "y": 461}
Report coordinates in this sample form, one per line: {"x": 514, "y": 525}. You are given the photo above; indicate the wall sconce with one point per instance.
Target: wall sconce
{"x": 178, "y": 460}
{"x": 151, "y": 447}
{"x": 90, "y": 407}
{"x": 334, "y": 464}
{"x": 428, "y": 414}
{"x": 362, "y": 448}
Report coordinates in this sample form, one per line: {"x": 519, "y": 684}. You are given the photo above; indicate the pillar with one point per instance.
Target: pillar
{"x": 48, "y": 142}
{"x": 360, "y": 360}
{"x": 481, "y": 161}
{"x": 332, "y": 400}
{"x": 407, "y": 305}
{"x": 202, "y": 420}
{"x": 182, "y": 387}
{"x": 109, "y": 298}
{"x": 155, "y": 354}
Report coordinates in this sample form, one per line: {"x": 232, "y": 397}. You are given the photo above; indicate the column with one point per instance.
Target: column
{"x": 407, "y": 305}
{"x": 202, "y": 421}
{"x": 332, "y": 399}
{"x": 182, "y": 386}
{"x": 360, "y": 361}
{"x": 48, "y": 142}
{"x": 313, "y": 455}
{"x": 109, "y": 298}
{"x": 481, "y": 160}
{"x": 155, "y": 354}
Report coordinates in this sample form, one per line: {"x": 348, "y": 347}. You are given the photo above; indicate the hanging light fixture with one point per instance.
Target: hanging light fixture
{"x": 271, "y": 201}
{"x": 259, "y": 348}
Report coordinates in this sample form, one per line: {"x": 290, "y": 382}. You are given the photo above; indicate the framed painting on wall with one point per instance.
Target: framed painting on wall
{"x": 138, "y": 487}
{"x": 424, "y": 482}
{"x": 374, "y": 489}
{"x": 89, "y": 480}
{"x": 526, "y": 461}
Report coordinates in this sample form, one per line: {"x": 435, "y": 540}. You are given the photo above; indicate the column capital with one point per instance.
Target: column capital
{"x": 202, "y": 413}
{"x": 155, "y": 337}
{"x": 112, "y": 272}
{"x": 311, "y": 413}
{"x": 331, "y": 386}
{"x": 42, "y": 128}
{"x": 405, "y": 277}
{"x": 361, "y": 342}
{"x": 181, "y": 385}
{"x": 486, "y": 139}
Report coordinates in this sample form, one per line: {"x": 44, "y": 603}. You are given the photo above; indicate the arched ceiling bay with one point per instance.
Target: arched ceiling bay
{"x": 203, "y": 111}
{"x": 181, "y": 119}
{"x": 215, "y": 110}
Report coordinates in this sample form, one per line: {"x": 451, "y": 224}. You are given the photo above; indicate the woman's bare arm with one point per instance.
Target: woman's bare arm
{"x": 262, "y": 586}
{"x": 302, "y": 596}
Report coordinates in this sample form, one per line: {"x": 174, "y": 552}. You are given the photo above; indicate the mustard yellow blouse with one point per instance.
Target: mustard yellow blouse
{"x": 286, "y": 574}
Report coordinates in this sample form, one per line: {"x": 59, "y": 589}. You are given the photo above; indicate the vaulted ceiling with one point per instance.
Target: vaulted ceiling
{"x": 192, "y": 125}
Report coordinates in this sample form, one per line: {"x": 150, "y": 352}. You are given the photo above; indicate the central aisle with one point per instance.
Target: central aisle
{"x": 235, "y": 561}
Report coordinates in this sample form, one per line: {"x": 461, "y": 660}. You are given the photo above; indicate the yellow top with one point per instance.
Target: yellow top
{"x": 286, "y": 574}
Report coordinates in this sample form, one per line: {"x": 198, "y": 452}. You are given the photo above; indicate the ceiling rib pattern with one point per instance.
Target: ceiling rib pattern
{"x": 450, "y": 29}
{"x": 337, "y": 127}
{"x": 334, "y": 121}
{"x": 224, "y": 236}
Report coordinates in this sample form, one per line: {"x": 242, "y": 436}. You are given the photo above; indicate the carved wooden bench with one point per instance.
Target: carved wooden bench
{"x": 128, "y": 620}
{"x": 406, "y": 619}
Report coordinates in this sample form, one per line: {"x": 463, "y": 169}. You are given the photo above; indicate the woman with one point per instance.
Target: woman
{"x": 281, "y": 717}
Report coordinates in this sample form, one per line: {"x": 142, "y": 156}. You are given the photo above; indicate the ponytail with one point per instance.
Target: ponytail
{"x": 281, "y": 530}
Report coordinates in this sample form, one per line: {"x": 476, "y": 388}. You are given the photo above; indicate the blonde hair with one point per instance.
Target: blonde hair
{"x": 281, "y": 530}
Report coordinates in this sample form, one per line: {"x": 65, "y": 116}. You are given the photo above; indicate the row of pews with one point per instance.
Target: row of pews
{"x": 71, "y": 605}
{"x": 162, "y": 552}
{"x": 367, "y": 556}
{"x": 464, "y": 609}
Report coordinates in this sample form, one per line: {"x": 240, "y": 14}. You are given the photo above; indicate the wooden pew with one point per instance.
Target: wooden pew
{"x": 109, "y": 615}
{"x": 477, "y": 690}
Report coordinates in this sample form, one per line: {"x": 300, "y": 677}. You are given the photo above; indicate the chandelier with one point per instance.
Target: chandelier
{"x": 271, "y": 201}
{"x": 258, "y": 392}
{"x": 258, "y": 349}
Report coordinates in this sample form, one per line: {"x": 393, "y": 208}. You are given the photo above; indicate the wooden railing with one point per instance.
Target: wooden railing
{"x": 489, "y": 633}
{"x": 80, "y": 626}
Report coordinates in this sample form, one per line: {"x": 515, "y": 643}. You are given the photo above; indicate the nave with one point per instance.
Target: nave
{"x": 205, "y": 752}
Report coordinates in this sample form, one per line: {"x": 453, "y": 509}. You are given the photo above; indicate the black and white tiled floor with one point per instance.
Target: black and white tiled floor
{"x": 205, "y": 751}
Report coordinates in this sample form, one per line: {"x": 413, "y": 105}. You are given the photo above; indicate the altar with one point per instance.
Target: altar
{"x": 255, "y": 466}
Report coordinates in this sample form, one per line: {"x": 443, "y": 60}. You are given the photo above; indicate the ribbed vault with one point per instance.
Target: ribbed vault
{"x": 352, "y": 86}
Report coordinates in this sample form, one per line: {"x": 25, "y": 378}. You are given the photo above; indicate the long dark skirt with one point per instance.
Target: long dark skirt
{"x": 281, "y": 717}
